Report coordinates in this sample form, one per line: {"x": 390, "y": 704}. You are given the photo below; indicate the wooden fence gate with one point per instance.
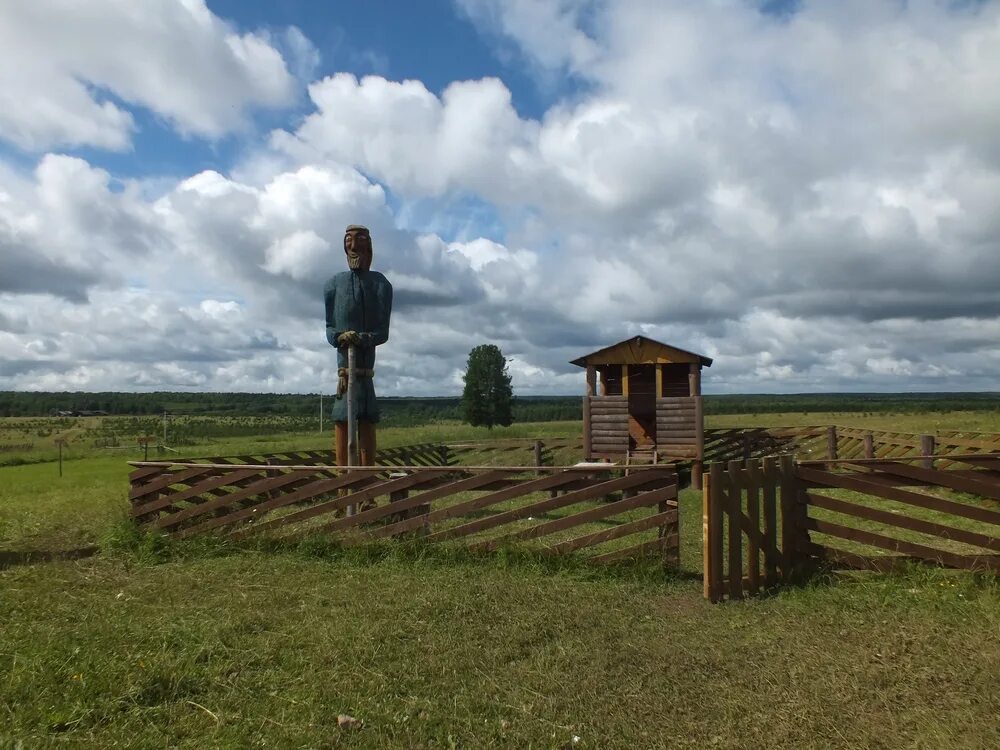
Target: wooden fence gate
{"x": 765, "y": 520}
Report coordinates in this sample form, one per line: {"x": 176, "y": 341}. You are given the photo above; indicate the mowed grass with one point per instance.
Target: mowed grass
{"x": 202, "y": 644}
{"x": 266, "y": 650}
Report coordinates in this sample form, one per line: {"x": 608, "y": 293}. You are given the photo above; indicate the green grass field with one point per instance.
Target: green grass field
{"x": 199, "y": 645}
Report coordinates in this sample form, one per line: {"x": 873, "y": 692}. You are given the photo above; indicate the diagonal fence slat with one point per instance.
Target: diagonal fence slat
{"x": 379, "y": 512}
{"x": 859, "y": 483}
{"x": 552, "y": 503}
{"x": 616, "y": 532}
{"x": 194, "y": 491}
{"x": 640, "y": 500}
{"x": 922, "y": 551}
{"x": 316, "y": 488}
{"x": 256, "y": 488}
{"x": 353, "y": 498}
{"x": 904, "y": 522}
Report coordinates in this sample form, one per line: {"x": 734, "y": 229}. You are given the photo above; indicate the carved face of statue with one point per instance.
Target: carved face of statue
{"x": 358, "y": 247}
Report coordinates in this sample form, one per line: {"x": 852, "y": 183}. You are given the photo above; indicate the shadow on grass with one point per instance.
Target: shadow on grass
{"x": 904, "y": 577}
{"x": 135, "y": 545}
{"x": 30, "y": 557}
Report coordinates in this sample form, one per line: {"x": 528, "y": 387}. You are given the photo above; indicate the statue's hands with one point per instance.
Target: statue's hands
{"x": 347, "y": 338}
{"x": 342, "y": 381}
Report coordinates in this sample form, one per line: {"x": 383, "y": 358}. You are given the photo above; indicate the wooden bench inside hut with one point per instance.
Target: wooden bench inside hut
{"x": 643, "y": 403}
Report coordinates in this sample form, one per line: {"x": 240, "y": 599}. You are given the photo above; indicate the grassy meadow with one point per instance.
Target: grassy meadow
{"x": 196, "y": 644}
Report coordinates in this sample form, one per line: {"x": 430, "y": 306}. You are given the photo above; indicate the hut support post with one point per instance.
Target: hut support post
{"x": 587, "y": 437}
{"x": 694, "y": 389}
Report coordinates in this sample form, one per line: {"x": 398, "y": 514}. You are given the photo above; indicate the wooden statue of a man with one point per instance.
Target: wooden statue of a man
{"x": 358, "y": 304}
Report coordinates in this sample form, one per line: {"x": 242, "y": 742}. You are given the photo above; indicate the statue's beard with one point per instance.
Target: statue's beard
{"x": 355, "y": 262}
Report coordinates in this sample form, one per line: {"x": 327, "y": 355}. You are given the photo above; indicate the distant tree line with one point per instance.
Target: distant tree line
{"x": 415, "y": 411}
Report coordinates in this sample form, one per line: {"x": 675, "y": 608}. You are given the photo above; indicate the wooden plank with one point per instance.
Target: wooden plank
{"x": 789, "y": 516}
{"x": 307, "y": 492}
{"x": 734, "y": 510}
{"x": 898, "y": 545}
{"x": 138, "y": 476}
{"x": 717, "y": 500}
{"x": 753, "y": 515}
{"x": 256, "y": 488}
{"x": 677, "y": 451}
{"x": 194, "y": 491}
{"x": 615, "y": 532}
{"x": 769, "y": 496}
{"x": 524, "y": 488}
{"x": 165, "y": 480}
{"x": 631, "y": 481}
{"x": 682, "y": 429}
{"x": 354, "y": 498}
{"x": 371, "y": 515}
{"x": 943, "y": 478}
{"x": 638, "y": 550}
{"x": 607, "y": 510}
{"x": 706, "y": 537}
{"x": 587, "y": 421}
{"x": 904, "y": 522}
{"x": 600, "y": 419}
{"x": 625, "y": 380}
{"x": 930, "y": 502}
{"x": 684, "y": 438}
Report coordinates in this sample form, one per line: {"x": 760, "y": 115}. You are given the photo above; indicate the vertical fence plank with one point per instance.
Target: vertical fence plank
{"x": 734, "y": 506}
{"x": 753, "y": 511}
{"x": 706, "y": 537}
{"x": 716, "y": 478}
{"x": 770, "y": 482}
{"x": 869, "y": 445}
{"x": 789, "y": 519}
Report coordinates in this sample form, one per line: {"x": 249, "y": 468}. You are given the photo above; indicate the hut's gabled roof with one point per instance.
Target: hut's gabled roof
{"x": 639, "y": 350}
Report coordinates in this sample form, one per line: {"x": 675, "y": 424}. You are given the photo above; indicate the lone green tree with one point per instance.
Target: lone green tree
{"x": 488, "y": 398}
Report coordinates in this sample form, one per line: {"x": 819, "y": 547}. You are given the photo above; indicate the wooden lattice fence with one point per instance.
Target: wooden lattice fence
{"x": 607, "y": 513}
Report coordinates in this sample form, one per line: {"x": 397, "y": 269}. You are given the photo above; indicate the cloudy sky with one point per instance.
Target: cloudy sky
{"x": 809, "y": 192}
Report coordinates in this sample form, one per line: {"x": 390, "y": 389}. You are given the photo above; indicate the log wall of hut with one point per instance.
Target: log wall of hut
{"x": 649, "y": 406}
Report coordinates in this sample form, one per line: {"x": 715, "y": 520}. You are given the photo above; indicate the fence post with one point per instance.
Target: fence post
{"x": 538, "y": 454}
{"x": 789, "y": 517}
{"x": 927, "y": 449}
{"x": 747, "y": 451}
{"x": 831, "y": 442}
{"x": 869, "y": 446}
{"x": 706, "y": 537}
{"x": 734, "y": 505}
{"x": 714, "y": 487}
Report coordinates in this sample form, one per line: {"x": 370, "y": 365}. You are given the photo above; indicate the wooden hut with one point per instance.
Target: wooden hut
{"x": 643, "y": 400}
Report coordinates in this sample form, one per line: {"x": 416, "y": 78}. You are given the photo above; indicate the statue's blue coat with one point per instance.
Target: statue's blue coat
{"x": 358, "y": 301}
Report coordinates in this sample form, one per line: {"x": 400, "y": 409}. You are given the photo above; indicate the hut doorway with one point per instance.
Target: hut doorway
{"x": 642, "y": 406}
